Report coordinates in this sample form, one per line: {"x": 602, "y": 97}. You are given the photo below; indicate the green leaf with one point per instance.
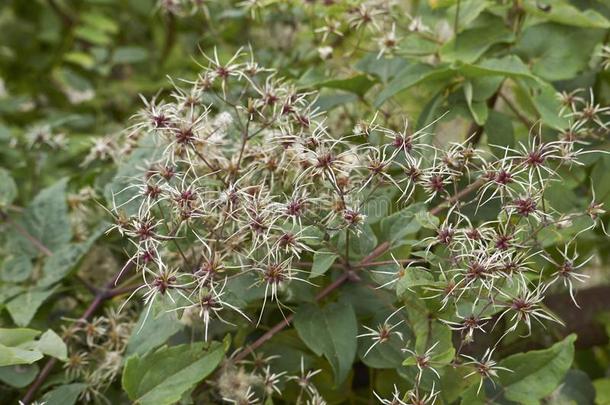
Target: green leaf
{"x": 426, "y": 330}
{"x": 478, "y": 109}
{"x": 484, "y": 87}
{"x": 18, "y": 376}
{"x": 23, "y": 307}
{"x": 576, "y": 388}
{"x": 410, "y": 76}
{"x": 509, "y": 66}
{"x": 100, "y": 22}
{"x": 499, "y": 130}
{"x": 454, "y": 383}
{"x": 384, "y": 68}
{"x": 413, "y": 277}
{"x": 52, "y": 345}
{"x": 471, "y": 44}
{"x": 472, "y": 397}
{"x": 599, "y": 177}
{"x": 400, "y": 224}
{"x": 81, "y": 59}
{"x": 546, "y": 103}
{"x": 17, "y": 336}
{"x": 427, "y": 220}
{"x": 414, "y": 45}
{"x": 358, "y": 84}
{"x": 430, "y": 112}
{"x": 537, "y": 373}
{"x": 129, "y": 54}
{"x": 46, "y": 219}
{"x": 117, "y": 190}
{"x": 327, "y": 102}
{"x": 330, "y": 331}
{"x": 387, "y": 354}
{"x": 16, "y": 269}
{"x": 153, "y": 334}
{"x": 555, "y": 52}
{"x": 66, "y": 394}
{"x": 378, "y": 205}
{"x": 61, "y": 262}
{"x": 8, "y": 291}
{"x": 64, "y": 259}
{"x": 163, "y": 376}
{"x": 469, "y": 11}
{"x": 563, "y": 12}
{"x": 384, "y": 355}
{"x": 322, "y": 261}
{"x": 439, "y": 358}
{"x": 92, "y": 35}
{"x": 602, "y": 391}
{"x": 14, "y": 355}
{"x": 540, "y": 98}
{"x": 8, "y": 188}
{"x": 361, "y": 244}
{"x": 16, "y": 346}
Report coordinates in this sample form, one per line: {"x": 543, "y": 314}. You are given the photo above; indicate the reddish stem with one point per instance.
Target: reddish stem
{"x": 458, "y": 196}
{"x": 339, "y": 281}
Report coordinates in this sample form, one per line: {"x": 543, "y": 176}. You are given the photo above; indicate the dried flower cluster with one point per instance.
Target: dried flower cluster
{"x": 240, "y": 385}
{"x": 96, "y": 351}
{"x": 378, "y": 26}
{"x": 246, "y": 181}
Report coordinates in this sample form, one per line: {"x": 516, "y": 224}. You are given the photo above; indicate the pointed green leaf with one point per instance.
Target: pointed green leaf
{"x": 23, "y": 307}
{"x": 163, "y": 376}
{"x": 563, "y": 12}
{"x": 322, "y": 261}
{"x": 330, "y": 331}
{"x": 66, "y": 394}
{"x": 410, "y": 76}
{"x": 400, "y": 224}
{"x": 509, "y": 66}
{"x": 65, "y": 258}
{"x": 536, "y": 374}
{"x": 17, "y": 336}
{"x": 413, "y": 277}
{"x": 52, "y": 345}
{"x": 14, "y": 355}
{"x": 499, "y": 130}
{"x": 154, "y": 333}
{"x": 8, "y": 188}
{"x": 19, "y": 376}
{"x": 46, "y": 219}
{"x": 471, "y": 44}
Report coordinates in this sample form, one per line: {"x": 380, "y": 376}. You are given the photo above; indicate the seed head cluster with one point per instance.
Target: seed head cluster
{"x": 245, "y": 180}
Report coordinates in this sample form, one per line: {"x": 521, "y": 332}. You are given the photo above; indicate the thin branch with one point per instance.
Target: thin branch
{"x": 66, "y": 18}
{"x": 458, "y": 196}
{"x": 384, "y": 262}
{"x": 339, "y": 281}
{"x": 528, "y": 124}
